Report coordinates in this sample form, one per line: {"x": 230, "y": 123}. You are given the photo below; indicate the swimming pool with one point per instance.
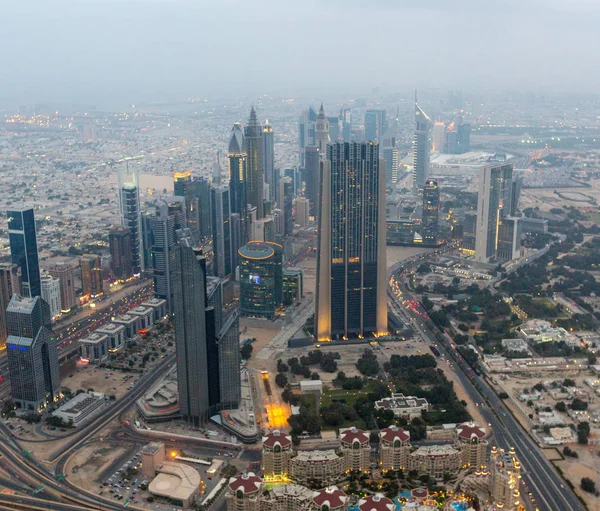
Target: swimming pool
{"x": 460, "y": 506}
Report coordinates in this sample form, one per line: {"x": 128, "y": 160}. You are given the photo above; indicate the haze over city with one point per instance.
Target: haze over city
{"x": 111, "y": 53}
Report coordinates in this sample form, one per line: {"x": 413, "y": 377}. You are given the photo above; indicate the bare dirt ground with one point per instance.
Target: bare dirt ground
{"x": 90, "y": 377}
{"x": 574, "y": 469}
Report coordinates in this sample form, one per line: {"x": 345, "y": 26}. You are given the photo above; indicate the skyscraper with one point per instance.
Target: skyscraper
{"x": 286, "y": 198}
{"x": 312, "y": 176}
{"x": 91, "y": 275}
{"x": 431, "y": 213}
{"x": 306, "y": 131}
{"x": 494, "y": 203}
{"x": 207, "y": 361}
{"x": 237, "y": 180}
{"x": 131, "y": 215}
{"x": 421, "y": 147}
{"x": 375, "y": 125}
{"x": 201, "y": 206}
{"x": 10, "y": 284}
{"x": 254, "y": 163}
{"x": 439, "y": 137}
{"x": 322, "y": 132}
{"x": 24, "y": 250}
{"x": 221, "y": 225}
{"x": 51, "y": 293}
{"x": 169, "y": 216}
{"x": 391, "y": 157}
{"x": 463, "y": 138}
{"x": 351, "y": 280}
{"x": 269, "y": 159}
{"x": 121, "y": 263}
{"x": 183, "y": 187}
{"x": 32, "y": 355}
{"x": 65, "y": 273}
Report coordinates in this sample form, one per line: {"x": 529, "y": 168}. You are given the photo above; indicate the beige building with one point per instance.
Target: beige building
{"x": 177, "y": 482}
{"x": 152, "y": 456}
{"x": 505, "y": 475}
{"x": 356, "y": 449}
{"x": 244, "y": 493}
{"x": 408, "y": 407}
{"x": 394, "y": 448}
{"x": 435, "y": 460}
{"x": 470, "y": 440}
{"x": 325, "y": 466}
{"x": 276, "y": 454}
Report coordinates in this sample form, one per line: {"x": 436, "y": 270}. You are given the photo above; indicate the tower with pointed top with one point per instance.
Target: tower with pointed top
{"x": 253, "y": 147}
{"x": 221, "y": 224}
{"x": 421, "y": 147}
{"x": 237, "y": 181}
{"x": 322, "y": 132}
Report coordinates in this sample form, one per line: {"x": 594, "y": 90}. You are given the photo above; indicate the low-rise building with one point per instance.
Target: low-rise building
{"x": 435, "y": 460}
{"x": 130, "y": 323}
{"x": 403, "y": 406}
{"x": 145, "y": 315}
{"x": 94, "y": 347}
{"x": 81, "y": 408}
{"x": 116, "y": 335}
{"x": 394, "y": 448}
{"x": 177, "y": 482}
{"x": 158, "y": 306}
{"x": 153, "y": 454}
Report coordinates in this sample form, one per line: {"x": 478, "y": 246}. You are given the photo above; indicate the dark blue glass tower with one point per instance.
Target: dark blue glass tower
{"x": 24, "y": 250}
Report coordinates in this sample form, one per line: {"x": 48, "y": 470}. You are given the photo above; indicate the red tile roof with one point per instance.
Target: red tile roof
{"x": 390, "y": 434}
{"x": 332, "y": 497}
{"x": 248, "y": 483}
{"x": 375, "y": 503}
{"x": 470, "y": 430}
{"x": 349, "y": 435}
{"x": 277, "y": 437}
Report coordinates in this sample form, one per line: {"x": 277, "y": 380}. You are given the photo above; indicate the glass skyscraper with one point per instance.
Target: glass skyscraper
{"x": 351, "y": 280}
{"x": 430, "y": 221}
{"x": 253, "y": 147}
{"x": 421, "y": 147}
{"x": 237, "y": 181}
{"x": 24, "y": 250}
{"x": 131, "y": 217}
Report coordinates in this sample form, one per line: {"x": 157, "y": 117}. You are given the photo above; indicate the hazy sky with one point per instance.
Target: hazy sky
{"x": 128, "y": 50}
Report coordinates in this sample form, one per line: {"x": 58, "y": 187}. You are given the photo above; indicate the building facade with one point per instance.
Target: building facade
{"x": 51, "y": 294}
{"x": 253, "y": 148}
{"x": 270, "y": 172}
{"x": 430, "y": 223}
{"x": 351, "y": 280}
{"x": 121, "y": 259}
{"x": 356, "y": 448}
{"x": 23, "y": 249}
{"x": 285, "y": 201}
{"x": 32, "y": 354}
{"x": 236, "y": 157}
{"x": 65, "y": 273}
{"x": 261, "y": 278}
{"x": 312, "y": 179}
{"x": 10, "y": 284}
{"x": 91, "y": 275}
{"x": 421, "y": 147}
{"x": 394, "y": 448}
{"x": 221, "y": 230}
{"x": 131, "y": 215}
{"x": 276, "y": 454}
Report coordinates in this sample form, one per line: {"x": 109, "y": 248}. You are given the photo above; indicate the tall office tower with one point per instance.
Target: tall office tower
{"x": 494, "y": 203}
{"x": 131, "y": 215}
{"x": 286, "y": 199}
{"x": 91, "y": 274}
{"x": 65, "y": 273}
{"x": 392, "y": 162}
{"x": 51, "y": 293}
{"x": 121, "y": 262}
{"x": 463, "y": 136}
{"x": 421, "y": 147}
{"x": 517, "y": 184}
{"x": 23, "y": 249}
{"x": 375, "y": 125}
{"x": 254, "y": 163}
{"x": 430, "y": 222}
{"x": 236, "y": 237}
{"x": 322, "y": 132}
{"x": 306, "y": 131}
{"x": 509, "y": 242}
{"x": 169, "y": 216}
{"x": 10, "y": 284}
{"x": 237, "y": 179}
{"x": 32, "y": 355}
{"x": 147, "y": 237}
{"x": 269, "y": 159}
{"x": 201, "y": 206}
{"x": 335, "y": 131}
{"x": 221, "y": 225}
{"x": 302, "y": 205}
{"x": 204, "y": 368}
{"x": 351, "y": 280}
{"x": 183, "y": 187}
{"x": 346, "y": 116}
{"x": 312, "y": 177}
{"x": 439, "y": 137}
{"x": 469, "y": 233}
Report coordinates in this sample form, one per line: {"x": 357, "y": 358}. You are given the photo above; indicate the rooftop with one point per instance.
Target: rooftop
{"x": 401, "y": 401}
{"x": 277, "y": 437}
{"x": 331, "y": 497}
{"x": 351, "y": 435}
{"x": 94, "y": 338}
{"x": 394, "y": 432}
{"x": 318, "y": 456}
{"x": 469, "y": 431}
{"x": 375, "y": 503}
{"x": 80, "y": 402}
{"x": 247, "y": 483}
{"x": 175, "y": 481}
{"x": 435, "y": 450}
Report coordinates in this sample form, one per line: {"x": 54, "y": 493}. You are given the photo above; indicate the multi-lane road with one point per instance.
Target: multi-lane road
{"x": 549, "y": 491}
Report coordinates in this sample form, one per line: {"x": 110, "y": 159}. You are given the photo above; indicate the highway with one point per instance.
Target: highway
{"x": 551, "y": 493}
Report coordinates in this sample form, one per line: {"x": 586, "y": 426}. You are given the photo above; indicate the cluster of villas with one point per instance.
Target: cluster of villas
{"x": 287, "y": 474}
